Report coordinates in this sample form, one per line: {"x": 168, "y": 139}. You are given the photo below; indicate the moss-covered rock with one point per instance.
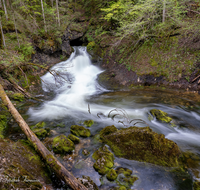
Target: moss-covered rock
{"x": 125, "y": 177}
{"x": 73, "y": 138}
{"x": 88, "y": 183}
{"x": 80, "y": 131}
{"x": 39, "y": 129}
{"x": 88, "y": 123}
{"x": 107, "y": 130}
{"x": 161, "y": 115}
{"x": 111, "y": 175}
{"x": 22, "y": 166}
{"x": 144, "y": 145}
{"x": 196, "y": 185}
{"x": 41, "y": 133}
{"x": 61, "y": 144}
{"x": 104, "y": 160}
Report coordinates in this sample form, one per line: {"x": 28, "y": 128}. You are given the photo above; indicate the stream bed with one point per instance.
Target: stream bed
{"x": 73, "y": 95}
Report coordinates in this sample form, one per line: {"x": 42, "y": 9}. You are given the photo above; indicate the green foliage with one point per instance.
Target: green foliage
{"x": 26, "y": 49}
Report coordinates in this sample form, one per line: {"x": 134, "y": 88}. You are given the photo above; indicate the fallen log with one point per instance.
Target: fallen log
{"x": 57, "y": 167}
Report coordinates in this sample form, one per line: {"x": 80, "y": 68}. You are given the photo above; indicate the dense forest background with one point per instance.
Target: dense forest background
{"x": 158, "y": 38}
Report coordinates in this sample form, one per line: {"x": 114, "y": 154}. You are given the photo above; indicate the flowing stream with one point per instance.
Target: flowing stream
{"x": 74, "y": 95}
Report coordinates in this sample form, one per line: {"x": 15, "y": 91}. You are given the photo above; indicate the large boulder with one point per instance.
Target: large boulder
{"x": 141, "y": 144}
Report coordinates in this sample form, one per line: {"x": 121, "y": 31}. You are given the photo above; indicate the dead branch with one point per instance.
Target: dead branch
{"x": 59, "y": 169}
{"x": 196, "y": 78}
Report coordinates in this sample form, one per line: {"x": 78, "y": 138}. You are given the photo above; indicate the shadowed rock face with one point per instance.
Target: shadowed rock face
{"x": 141, "y": 144}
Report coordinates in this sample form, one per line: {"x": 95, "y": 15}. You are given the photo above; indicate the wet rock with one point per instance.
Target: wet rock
{"x": 142, "y": 144}
{"x": 39, "y": 130}
{"x": 80, "y": 131}
{"x": 104, "y": 160}
{"x": 73, "y": 138}
{"x": 61, "y": 144}
{"x": 88, "y": 183}
{"x": 161, "y": 115}
{"x": 85, "y": 152}
{"x": 88, "y": 123}
{"x": 111, "y": 175}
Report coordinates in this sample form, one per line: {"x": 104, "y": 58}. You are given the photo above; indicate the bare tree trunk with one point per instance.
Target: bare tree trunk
{"x": 2, "y": 35}
{"x": 15, "y": 27}
{"x": 59, "y": 169}
{"x": 57, "y": 12}
{"x": 52, "y": 3}
{"x": 0, "y": 4}
{"x": 45, "y": 28}
{"x": 7, "y": 2}
{"x": 164, "y": 10}
{"x": 5, "y": 10}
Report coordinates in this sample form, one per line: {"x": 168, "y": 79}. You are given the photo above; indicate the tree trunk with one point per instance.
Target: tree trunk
{"x": 59, "y": 169}
{"x": 57, "y": 12}
{"x": 164, "y": 10}
{"x": 45, "y": 28}
{"x": 2, "y": 36}
{"x": 0, "y": 4}
{"x": 5, "y": 10}
{"x": 15, "y": 28}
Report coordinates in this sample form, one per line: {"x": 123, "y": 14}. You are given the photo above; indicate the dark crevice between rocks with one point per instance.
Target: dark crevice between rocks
{"x": 78, "y": 42}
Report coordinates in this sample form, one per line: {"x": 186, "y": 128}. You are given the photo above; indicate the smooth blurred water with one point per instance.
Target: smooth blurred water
{"x": 74, "y": 85}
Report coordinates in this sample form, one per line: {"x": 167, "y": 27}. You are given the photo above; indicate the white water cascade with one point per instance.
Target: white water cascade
{"x": 75, "y": 80}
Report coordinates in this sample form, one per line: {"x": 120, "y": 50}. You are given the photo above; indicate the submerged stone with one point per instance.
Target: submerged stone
{"x": 144, "y": 145}
{"x": 88, "y": 123}
{"x": 80, "y": 131}
{"x": 125, "y": 177}
{"x": 104, "y": 160}
{"x": 61, "y": 144}
{"x": 161, "y": 115}
{"x": 111, "y": 175}
{"x": 73, "y": 138}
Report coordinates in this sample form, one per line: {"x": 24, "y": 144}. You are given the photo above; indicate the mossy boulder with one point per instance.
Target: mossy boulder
{"x": 107, "y": 130}
{"x": 88, "y": 123}
{"x": 161, "y": 115}
{"x": 39, "y": 129}
{"x": 142, "y": 144}
{"x": 80, "y": 131}
{"x": 41, "y": 133}
{"x": 61, "y": 144}
{"x": 3, "y": 125}
{"x": 73, "y": 138}
{"x": 111, "y": 175}
{"x": 104, "y": 160}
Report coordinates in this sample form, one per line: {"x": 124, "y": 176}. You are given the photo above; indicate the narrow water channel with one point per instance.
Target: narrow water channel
{"x": 75, "y": 96}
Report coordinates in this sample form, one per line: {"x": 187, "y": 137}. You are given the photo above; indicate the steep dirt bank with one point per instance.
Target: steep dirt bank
{"x": 173, "y": 62}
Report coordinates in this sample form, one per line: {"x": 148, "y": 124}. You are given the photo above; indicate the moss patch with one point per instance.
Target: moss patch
{"x": 104, "y": 160}
{"x": 73, "y": 138}
{"x": 111, "y": 175}
{"x": 61, "y": 145}
{"x": 144, "y": 145}
{"x": 17, "y": 97}
{"x": 88, "y": 123}
{"x": 80, "y": 131}
{"x": 161, "y": 115}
